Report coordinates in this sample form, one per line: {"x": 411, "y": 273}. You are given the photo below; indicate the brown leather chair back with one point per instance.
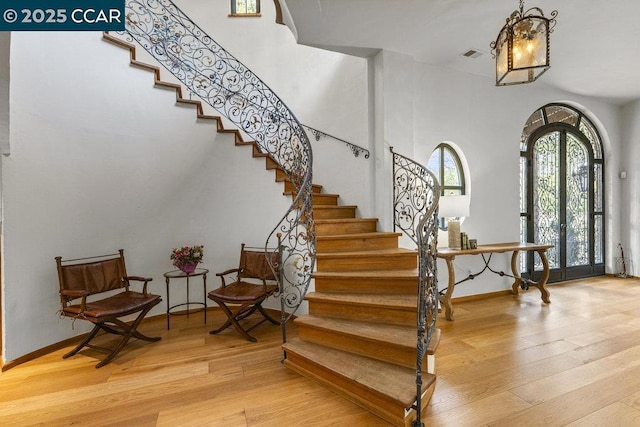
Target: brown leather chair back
{"x": 256, "y": 264}
{"x": 92, "y": 277}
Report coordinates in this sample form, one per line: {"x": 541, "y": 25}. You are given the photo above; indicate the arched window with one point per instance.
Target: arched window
{"x": 445, "y": 164}
{"x": 447, "y": 167}
{"x": 562, "y": 192}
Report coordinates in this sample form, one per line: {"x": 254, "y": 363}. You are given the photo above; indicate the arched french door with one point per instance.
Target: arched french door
{"x": 562, "y": 193}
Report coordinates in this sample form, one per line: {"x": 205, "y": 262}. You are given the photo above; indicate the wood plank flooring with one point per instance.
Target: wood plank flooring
{"x": 504, "y": 361}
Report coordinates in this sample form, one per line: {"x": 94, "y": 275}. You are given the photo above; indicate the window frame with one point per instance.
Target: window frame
{"x": 462, "y": 188}
{"x": 235, "y": 14}
{"x": 442, "y": 147}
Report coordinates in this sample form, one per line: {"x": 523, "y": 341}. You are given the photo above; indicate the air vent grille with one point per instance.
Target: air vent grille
{"x": 472, "y": 53}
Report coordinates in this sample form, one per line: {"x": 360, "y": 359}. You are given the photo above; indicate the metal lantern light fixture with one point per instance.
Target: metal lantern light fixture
{"x": 521, "y": 50}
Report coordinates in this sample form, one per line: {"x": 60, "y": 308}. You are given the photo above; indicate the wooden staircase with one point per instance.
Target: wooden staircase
{"x": 359, "y": 338}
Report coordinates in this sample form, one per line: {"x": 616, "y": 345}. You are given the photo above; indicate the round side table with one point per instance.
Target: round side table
{"x": 179, "y": 274}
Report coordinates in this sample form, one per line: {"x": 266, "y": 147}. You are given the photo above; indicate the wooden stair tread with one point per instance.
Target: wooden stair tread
{"x": 345, "y": 220}
{"x": 401, "y": 302}
{"x": 208, "y": 117}
{"x": 292, "y": 193}
{"x": 370, "y": 235}
{"x": 371, "y": 274}
{"x": 401, "y": 336}
{"x": 392, "y": 334}
{"x": 168, "y": 85}
{"x": 335, "y": 207}
{"x": 393, "y": 381}
{"x": 368, "y": 254}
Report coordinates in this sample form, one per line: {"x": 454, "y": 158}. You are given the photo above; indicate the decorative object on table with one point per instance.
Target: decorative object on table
{"x": 454, "y": 208}
{"x": 464, "y": 241}
{"x": 521, "y": 49}
{"x": 473, "y": 244}
{"x": 186, "y": 258}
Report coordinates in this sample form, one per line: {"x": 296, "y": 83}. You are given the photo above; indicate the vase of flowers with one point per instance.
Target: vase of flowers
{"x": 186, "y": 258}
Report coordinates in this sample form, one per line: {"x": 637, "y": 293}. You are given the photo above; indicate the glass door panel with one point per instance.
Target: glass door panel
{"x": 577, "y": 203}
{"x": 546, "y": 192}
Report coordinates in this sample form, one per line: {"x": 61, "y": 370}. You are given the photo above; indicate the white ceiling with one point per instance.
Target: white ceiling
{"x": 595, "y": 46}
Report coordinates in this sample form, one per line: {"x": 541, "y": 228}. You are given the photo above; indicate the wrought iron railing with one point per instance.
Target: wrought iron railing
{"x": 355, "y": 149}
{"x": 416, "y": 193}
{"x": 207, "y": 70}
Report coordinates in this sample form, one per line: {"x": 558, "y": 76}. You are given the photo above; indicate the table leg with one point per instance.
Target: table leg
{"x": 542, "y": 283}
{"x": 515, "y": 270}
{"x": 446, "y": 299}
{"x": 204, "y": 284}
{"x": 168, "y": 305}
{"x": 188, "y": 295}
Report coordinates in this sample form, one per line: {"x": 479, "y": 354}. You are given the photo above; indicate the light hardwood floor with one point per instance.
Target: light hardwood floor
{"x": 505, "y": 361}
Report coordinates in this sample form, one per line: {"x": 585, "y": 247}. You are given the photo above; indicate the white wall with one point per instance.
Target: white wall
{"x": 394, "y": 127}
{"x": 486, "y": 122}
{"x": 630, "y": 196}
{"x": 5, "y": 42}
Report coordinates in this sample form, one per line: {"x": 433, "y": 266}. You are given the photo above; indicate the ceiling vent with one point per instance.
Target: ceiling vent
{"x": 472, "y": 53}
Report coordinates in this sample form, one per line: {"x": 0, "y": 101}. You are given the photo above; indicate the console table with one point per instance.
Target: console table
{"x": 450, "y": 254}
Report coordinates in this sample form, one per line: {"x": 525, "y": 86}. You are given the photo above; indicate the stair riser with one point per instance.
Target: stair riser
{"x": 398, "y": 355}
{"x": 336, "y": 213}
{"x": 325, "y": 199}
{"x": 348, "y": 263}
{"x": 320, "y": 199}
{"x": 271, "y": 164}
{"x": 331, "y": 229}
{"x": 356, "y": 244}
{"x": 280, "y": 175}
{"x": 385, "y": 315}
{"x": 372, "y": 402}
{"x": 379, "y": 285}
{"x": 289, "y": 188}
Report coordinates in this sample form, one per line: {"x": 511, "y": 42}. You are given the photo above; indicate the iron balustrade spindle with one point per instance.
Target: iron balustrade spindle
{"x": 416, "y": 193}
{"x": 207, "y": 70}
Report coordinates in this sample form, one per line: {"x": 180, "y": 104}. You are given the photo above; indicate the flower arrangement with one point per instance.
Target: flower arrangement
{"x": 187, "y": 257}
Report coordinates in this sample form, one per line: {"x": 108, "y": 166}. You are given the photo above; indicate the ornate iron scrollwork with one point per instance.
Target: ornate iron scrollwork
{"x": 219, "y": 79}
{"x": 416, "y": 193}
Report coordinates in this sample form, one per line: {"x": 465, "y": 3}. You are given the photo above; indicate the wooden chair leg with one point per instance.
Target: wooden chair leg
{"x": 118, "y": 327}
{"x": 127, "y": 331}
{"x": 267, "y": 315}
{"x": 84, "y": 342}
{"x": 232, "y": 320}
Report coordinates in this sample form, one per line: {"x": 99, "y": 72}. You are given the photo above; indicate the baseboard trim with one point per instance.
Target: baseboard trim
{"x": 41, "y": 352}
{"x": 5, "y": 366}
{"x": 481, "y": 296}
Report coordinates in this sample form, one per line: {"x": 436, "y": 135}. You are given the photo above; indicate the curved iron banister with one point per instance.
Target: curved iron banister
{"x": 416, "y": 193}
{"x": 222, "y": 81}
{"x": 355, "y": 149}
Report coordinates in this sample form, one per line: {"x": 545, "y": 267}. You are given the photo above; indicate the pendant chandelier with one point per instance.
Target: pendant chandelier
{"x": 521, "y": 50}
